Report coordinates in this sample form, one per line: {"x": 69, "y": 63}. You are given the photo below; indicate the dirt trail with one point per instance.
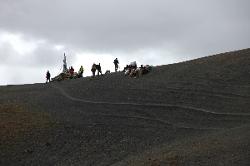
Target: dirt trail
{"x": 155, "y": 119}
{"x": 65, "y": 94}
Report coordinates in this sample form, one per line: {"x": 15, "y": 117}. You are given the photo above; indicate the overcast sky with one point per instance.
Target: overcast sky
{"x": 34, "y": 34}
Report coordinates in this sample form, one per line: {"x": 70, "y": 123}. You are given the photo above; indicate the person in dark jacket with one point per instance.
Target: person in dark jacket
{"x": 93, "y": 69}
{"x": 116, "y": 62}
{"x": 99, "y": 69}
{"x": 48, "y": 76}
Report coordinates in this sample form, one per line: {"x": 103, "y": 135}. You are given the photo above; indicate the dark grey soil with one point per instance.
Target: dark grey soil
{"x": 190, "y": 113}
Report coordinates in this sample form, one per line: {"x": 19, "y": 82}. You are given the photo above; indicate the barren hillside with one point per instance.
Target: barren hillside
{"x": 191, "y": 113}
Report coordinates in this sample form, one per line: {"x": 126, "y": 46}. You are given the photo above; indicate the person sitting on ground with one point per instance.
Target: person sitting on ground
{"x": 126, "y": 72}
{"x": 48, "y": 76}
{"x": 141, "y": 70}
{"x": 80, "y": 72}
{"x": 125, "y": 68}
{"x": 146, "y": 69}
{"x": 99, "y": 69}
{"x": 93, "y": 69}
{"x": 116, "y": 62}
{"x": 131, "y": 69}
{"x": 132, "y": 72}
{"x": 138, "y": 72}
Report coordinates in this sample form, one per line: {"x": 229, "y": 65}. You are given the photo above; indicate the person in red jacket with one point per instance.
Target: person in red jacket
{"x": 71, "y": 71}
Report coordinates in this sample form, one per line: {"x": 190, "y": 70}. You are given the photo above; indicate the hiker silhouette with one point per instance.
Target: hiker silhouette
{"x": 48, "y": 76}
{"x": 116, "y": 62}
{"x": 99, "y": 69}
{"x": 93, "y": 69}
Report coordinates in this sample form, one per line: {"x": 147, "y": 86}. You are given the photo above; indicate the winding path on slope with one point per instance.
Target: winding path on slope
{"x": 155, "y": 119}
{"x": 65, "y": 94}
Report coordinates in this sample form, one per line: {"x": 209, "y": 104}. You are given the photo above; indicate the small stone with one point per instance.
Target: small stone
{"x": 28, "y": 151}
{"x": 48, "y": 144}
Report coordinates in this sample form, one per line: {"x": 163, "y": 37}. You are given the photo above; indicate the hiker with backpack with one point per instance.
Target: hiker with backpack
{"x": 93, "y": 69}
{"x": 116, "y": 62}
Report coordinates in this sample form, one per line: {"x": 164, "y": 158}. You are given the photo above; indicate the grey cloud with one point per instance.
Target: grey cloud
{"x": 6, "y": 53}
{"x": 129, "y": 25}
{"x": 44, "y": 55}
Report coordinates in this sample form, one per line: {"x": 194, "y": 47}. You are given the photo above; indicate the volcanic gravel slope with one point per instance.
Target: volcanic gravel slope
{"x": 190, "y": 113}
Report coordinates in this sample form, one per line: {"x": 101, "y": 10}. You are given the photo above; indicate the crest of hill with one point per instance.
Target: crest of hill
{"x": 224, "y": 74}
{"x": 225, "y": 68}
{"x": 230, "y": 67}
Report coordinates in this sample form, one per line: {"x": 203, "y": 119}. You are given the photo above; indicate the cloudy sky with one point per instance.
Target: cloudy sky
{"x": 34, "y": 34}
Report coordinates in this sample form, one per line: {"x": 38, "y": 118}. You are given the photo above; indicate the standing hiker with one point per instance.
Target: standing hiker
{"x": 99, "y": 69}
{"x": 116, "y": 62}
{"x": 80, "y": 72}
{"x": 93, "y": 69}
{"x": 47, "y": 76}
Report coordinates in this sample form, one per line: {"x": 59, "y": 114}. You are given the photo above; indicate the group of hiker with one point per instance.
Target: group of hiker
{"x": 69, "y": 73}
{"x": 97, "y": 68}
{"x": 133, "y": 71}
{"x": 72, "y": 73}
